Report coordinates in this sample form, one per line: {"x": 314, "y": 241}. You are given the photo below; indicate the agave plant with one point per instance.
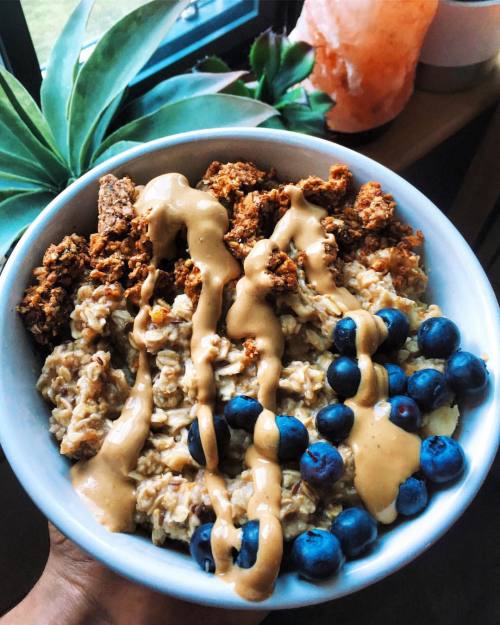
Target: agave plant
{"x": 42, "y": 151}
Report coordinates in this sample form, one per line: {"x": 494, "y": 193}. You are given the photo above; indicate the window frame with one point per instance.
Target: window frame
{"x": 19, "y": 55}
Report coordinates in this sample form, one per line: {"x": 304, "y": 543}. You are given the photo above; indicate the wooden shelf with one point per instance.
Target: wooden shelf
{"x": 429, "y": 119}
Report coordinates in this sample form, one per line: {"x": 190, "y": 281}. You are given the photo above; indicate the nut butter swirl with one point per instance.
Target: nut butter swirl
{"x": 302, "y": 225}
{"x": 103, "y": 481}
{"x": 385, "y": 455}
{"x": 169, "y": 203}
{"x": 252, "y": 316}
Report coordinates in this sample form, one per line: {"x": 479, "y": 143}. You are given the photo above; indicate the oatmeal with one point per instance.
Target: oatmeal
{"x": 191, "y": 348}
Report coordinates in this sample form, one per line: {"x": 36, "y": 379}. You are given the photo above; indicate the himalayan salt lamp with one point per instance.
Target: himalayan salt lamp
{"x": 366, "y": 53}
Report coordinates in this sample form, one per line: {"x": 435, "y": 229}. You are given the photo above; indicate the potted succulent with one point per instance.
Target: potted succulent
{"x": 461, "y": 45}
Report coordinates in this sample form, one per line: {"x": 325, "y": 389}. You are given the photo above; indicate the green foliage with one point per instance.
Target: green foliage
{"x": 278, "y": 64}
{"x": 42, "y": 151}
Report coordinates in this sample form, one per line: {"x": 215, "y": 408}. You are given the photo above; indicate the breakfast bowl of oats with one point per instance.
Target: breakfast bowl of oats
{"x": 248, "y": 368}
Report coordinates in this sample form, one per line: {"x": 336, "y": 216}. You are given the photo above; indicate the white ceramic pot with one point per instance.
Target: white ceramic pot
{"x": 461, "y": 45}
{"x": 457, "y": 283}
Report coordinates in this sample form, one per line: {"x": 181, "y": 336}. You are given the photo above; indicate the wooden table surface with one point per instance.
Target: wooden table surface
{"x": 429, "y": 119}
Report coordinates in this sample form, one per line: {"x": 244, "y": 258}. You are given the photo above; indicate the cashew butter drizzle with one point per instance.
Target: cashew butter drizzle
{"x": 252, "y": 316}
{"x": 169, "y": 203}
{"x": 103, "y": 481}
{"x": 302, "y": 225}
{"x": 385, "y": 455}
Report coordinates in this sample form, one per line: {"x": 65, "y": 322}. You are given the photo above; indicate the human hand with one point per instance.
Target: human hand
{"x": 75, "y": 589}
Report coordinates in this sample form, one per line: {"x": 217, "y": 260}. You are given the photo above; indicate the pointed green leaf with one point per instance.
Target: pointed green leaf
{"x": 116, "y": 148}
{"x": 178, "y": 88}
{"x": 118, "y": 56}
{"x": 58, "y": 82}
{"x": 204, "y": 111}
{"x": 19, "y": 138}
{"x": 298, "y": 94}
{"x": 99, "y": 133}
{"x": 27, "y": 109}
{"x": 212, "y": 64}
{"x": 300, "y": 118}
{"x": 263, "y": 90}
{"x": 320, "y": 101}
{"x": 273, "y": 122}
{"x": 13, "y": 182}
{"x": 17, "y": 212}
{"x": 297, "y": 62}
{"x": 12, "y": 163}
{"x": 265, "y": 54}
{"x": 215, "y": 65}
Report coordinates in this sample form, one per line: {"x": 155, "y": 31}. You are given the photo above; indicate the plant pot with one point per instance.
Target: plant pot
{"x": 461, "y": 45}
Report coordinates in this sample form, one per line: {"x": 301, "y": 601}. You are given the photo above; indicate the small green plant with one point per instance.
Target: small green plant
{"x": 44, "y": 150}
{"x": 279, "y": 64}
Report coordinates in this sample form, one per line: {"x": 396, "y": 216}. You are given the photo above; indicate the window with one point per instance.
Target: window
{"x": 205, "y": 27}
{"x": 46, "y": 19}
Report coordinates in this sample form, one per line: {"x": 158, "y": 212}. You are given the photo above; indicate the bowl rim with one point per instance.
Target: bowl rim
{"x": 171, "y": 582}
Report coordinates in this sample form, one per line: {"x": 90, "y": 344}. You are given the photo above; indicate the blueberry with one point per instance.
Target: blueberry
{"x": 405, "y": 413}
{"x": 397, "y": 379}
{"x": 442, "y": 459}
{"x": 334, "y": 422}
{"x": 397, "y": 327}
{"x": 222, "y": 435}
{"x": 344, "y": 376}
{"x": 321, "y": 465}
{"x": 241, "y": 412}
{"x": 429, "y": 389}
{"x": 317, "y": 554}
{"x": 438, "y": 337}
{"x": 356, "y": 531}
{"x": 466, "y": 373}
{"x": 344, "y": 336}
{"x": 294, "y": 438}
{"x": 249, "y": 545}
{"x": 201, "y": 549}
{"x": 412, "y": 497}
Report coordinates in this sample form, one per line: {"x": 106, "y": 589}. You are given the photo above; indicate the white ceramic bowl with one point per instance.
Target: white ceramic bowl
{"x": 457, "y": 284}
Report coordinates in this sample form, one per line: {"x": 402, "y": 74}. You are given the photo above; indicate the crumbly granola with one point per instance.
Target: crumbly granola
{"x": 87, "y": 292}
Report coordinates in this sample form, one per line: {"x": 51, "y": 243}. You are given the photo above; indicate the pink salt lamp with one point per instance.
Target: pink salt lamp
{"x": 366, "y": 53}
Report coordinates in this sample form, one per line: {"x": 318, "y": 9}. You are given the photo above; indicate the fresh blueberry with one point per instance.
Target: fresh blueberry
{"x": 466, "y": 373}
{"x": 317, "y": 554}
{"x": 356, "y": 531}
{"x": 405, "y": 413}
{"x": 397, "y": 379}
{"x": 442, "y": 459}
{"x": 344, "y": 336}
{"x": 249, "y": 545}
{"x": 321, "y": 465}
{"x": 294, "y": 438}
{"x": 438, "y": 337}
{"x": 412, "y": 497}
{"x": 397, "y": 328}
{"x": 429, "y": 389}
{"x": 201, "y": 549}
{"x": 344, "y": 376}
{"x": 334, "y": 422}
{"x": 222, "y": 435}
{"x": 241, "y": 412}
